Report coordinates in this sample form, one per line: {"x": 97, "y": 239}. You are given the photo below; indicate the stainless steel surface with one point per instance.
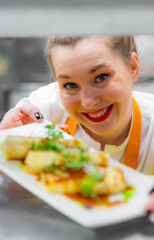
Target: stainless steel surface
{"x": 19, "y": 18}
{"x": 25, "y": 217}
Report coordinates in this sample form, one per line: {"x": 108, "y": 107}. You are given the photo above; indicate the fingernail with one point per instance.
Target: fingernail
{"x": 38, "y": 115}
{"x": 147, "y": 213}
{"x": 151, "y": 191}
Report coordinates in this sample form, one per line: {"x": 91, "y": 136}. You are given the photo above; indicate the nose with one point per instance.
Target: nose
{"x": 90, "y": 98}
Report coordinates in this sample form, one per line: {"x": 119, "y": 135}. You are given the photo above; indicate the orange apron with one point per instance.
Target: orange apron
{"x": 133, "y": 147}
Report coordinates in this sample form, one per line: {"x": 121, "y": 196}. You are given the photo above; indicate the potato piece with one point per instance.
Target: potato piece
{"x": 16, "y": 147}
{"x": 47, "y": 177}
{"x": 69, "y": 186}
{"x": 99, "y": 158}
{"x": 74, "y": 143}
{"x": 37, "y": 160}
{"x": 113, "y": 182}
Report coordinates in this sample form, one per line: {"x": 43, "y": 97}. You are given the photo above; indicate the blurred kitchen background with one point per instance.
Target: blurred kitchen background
{"x": 24, "y": 67}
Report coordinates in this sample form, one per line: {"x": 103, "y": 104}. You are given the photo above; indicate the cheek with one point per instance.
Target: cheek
{"x": 69, "y": 102}
{"x": 120, "y": 89}
{"x": 113, "y": 92}
{"x": 120, "y": 92}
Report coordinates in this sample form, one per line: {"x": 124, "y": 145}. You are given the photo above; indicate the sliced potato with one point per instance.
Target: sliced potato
{"x": 16, "y": 147}
{"x": 113, "y": 182}
{"x": 74, "y": 143}
{"x": 69, "y": 186}
{"x": 99, "y": 158}
{"x": 37, "y": 160}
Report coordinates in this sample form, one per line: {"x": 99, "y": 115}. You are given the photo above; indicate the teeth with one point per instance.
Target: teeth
{"x": 99, "y": 114}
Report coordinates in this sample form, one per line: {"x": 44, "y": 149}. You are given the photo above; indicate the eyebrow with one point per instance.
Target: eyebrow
{"x": 93, "y": 70}
{"x": 97, "y": 67}
{"x": 64, "y": 76}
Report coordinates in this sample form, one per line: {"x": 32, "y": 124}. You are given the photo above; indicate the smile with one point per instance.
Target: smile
{"x": 100, "y": 115}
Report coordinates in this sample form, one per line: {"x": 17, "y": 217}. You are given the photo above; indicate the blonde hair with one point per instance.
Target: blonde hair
{"x": 124, "y": 45}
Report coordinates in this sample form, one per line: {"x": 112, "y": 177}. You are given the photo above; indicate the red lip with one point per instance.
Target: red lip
{"x": 101, "y": 118}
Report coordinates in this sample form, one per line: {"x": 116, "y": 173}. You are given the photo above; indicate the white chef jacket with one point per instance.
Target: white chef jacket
{"x": 47, "y": 99}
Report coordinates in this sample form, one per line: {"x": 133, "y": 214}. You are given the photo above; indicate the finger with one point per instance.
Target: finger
{"x": 11, "y": 119}
{"x": 32, "y": 112}
{"x": 63, "y": 127}
{"x": 150, "y": 204}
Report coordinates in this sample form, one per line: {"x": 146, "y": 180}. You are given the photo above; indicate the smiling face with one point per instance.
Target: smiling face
{"x": 96, "y": 86}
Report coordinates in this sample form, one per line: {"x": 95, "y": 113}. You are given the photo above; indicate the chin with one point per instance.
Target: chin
{"x": 103, "y": 131}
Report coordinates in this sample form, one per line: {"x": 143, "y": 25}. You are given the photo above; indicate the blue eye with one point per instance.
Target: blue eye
{"x": 70, "y": 86}
{"x": 102, "y": 77}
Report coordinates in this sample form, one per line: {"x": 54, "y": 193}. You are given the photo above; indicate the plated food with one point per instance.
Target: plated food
{"x": 92, "y": 212}
{"x": 65, "y": 166}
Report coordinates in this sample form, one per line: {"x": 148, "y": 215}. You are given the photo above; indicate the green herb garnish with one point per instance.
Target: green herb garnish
{"x": 88, "y": 184}
{"x": 48, "y": 145}
{"x": 21, "y": 165}
{"x": 1, "y": 142}
{"x": 53, "y": 168}
{"x": 53, "y": 132}
{"x": 75, "y": 160}
{"x": 128, "y": 193}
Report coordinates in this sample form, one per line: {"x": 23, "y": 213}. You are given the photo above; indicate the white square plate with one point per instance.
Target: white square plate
{"x": 92, "y": 218}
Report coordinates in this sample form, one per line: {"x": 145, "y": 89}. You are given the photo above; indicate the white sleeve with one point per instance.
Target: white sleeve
{"x": 47, "y": 99}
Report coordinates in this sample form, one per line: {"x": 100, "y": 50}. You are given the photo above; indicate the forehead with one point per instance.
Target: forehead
{"x": 91, "y": 48}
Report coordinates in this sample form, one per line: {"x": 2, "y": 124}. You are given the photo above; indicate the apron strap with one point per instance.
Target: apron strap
{"x": 72, "y": 124}
{"x": 133, "y": 147}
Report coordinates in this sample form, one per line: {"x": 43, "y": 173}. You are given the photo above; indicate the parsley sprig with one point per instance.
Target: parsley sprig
{"x": 48, "y": 145}
{"x": 88, "y": 184}
{"x": 53, "y": 168}
{"x": 75, "y": 160}
{"x": 53, "y": 132}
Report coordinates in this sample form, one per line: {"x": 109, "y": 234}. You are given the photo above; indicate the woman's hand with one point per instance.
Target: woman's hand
{"x": 16, "y": 117}
{"x": 150, "y": 205}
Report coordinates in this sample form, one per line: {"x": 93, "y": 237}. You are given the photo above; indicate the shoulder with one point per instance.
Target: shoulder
{"x": 145, "y": 102}
{"x": 47, "y": 89}
{"x": 47, "y": 93}
{"x": 139, "y": 95}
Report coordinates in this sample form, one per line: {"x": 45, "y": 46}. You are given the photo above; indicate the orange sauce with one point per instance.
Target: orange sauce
{"x": 89, "y": 203}
{"x": 130, "y": 188}
{"x": 38, "y": 178}
{"x": 102, "y": 200}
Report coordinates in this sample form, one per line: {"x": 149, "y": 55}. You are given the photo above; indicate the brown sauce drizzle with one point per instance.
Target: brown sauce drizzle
{"x": 90, "y": 203}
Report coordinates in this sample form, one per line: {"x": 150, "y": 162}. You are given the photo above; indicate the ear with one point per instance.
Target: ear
{"x": 135, "y": 66}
